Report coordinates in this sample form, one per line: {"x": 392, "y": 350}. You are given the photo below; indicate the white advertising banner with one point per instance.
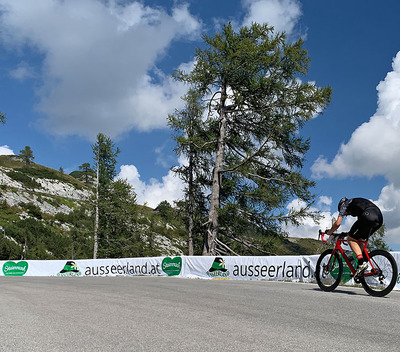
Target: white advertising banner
{"x": 89, "y": 267}
{"x": 396, "y": 256}
{"x": 282, "y": 268}
{"x": 293, "y": 268}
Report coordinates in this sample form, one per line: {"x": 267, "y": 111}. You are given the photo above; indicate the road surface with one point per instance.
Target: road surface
{"x": 174, "y": 314}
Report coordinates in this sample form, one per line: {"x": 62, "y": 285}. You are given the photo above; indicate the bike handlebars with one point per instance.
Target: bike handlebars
{"x": 322, "y": 234}
{"x": 331, "y": 237}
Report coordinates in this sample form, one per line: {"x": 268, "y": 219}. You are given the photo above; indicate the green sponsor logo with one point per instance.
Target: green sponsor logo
{"x": 172, "y": 266}
{"x": 346, "y": 275}
{"x": 15, "y": 269}
{"x": 70, "y": 269}
{"x": 218, "y": 269}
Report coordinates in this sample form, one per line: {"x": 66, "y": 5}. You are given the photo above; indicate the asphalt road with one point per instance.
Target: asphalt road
{"x": 172, "y": 314}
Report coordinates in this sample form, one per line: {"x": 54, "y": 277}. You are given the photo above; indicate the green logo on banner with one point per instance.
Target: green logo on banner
{"x": 346, "y": 275}
{"x": 70, "y": 269}
{"x": 218, "y": 269}
{"x": 15, "y": 269}
{"x": 172, "y": 266}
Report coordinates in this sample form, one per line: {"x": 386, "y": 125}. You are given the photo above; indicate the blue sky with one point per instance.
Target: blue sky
{"x": 71, "y": 69}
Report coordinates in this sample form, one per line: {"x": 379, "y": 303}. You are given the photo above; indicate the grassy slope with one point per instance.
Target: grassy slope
{"x": 34, "y": 169}
{"x": 286, "y": 246}
{"x": 299, "y": 246}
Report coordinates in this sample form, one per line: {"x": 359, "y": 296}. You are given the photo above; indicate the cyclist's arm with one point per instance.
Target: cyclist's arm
{"x": 335, "y": 226}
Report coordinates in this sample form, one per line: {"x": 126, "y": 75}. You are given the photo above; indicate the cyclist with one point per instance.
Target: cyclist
{"x": 369, "y": 219}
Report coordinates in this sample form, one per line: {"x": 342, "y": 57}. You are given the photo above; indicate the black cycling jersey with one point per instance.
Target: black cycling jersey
{"x": 355, "y": 206}
{"x": 369, "y": 217}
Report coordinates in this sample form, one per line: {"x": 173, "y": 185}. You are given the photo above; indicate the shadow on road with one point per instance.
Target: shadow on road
{"x": 342, "y": 291}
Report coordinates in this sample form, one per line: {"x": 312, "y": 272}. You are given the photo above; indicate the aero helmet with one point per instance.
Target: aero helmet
{"x": 344, "y": 199}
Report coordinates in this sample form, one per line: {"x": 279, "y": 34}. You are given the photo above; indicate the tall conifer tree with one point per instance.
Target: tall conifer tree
{"x": 105, "y": 159}
{"x": 192, "y": 143}
{"x": 256, "y": 106}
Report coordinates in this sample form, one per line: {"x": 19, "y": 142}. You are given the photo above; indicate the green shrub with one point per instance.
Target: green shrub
{"x": 40, "y": 173}
{"x": 27, "y": 181}
{"x": 33, "y": 210}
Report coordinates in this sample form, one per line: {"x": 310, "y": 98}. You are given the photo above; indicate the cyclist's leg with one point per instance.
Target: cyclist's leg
{"x": 359, "y": 232}
{"x": 354, "y": 237}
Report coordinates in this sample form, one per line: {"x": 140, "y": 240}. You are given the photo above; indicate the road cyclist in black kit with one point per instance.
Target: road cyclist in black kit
{"x": 369, "y": 219}
{"x": 375, "y": 270}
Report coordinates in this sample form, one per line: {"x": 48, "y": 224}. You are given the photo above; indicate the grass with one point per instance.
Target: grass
{"x": 11, "y": 161}
{"x": 299, "y": 246}
{"x": 38, "y": 171}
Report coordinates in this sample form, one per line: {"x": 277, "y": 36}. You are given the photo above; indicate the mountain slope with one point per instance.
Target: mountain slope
{"x": 45, "y": 214}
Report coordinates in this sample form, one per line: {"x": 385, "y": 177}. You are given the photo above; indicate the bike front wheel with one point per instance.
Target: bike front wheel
{"x": 328, "y": 271}
{"x": 380, "y": 282}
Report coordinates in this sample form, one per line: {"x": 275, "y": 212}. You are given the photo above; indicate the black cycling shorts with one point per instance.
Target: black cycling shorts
{"x": 369, "y": 221}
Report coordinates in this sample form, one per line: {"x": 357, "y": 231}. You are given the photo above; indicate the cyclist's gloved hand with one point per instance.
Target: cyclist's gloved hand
{"x": 331, "y": 239}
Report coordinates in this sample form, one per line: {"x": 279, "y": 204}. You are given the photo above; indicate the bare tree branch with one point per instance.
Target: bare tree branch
{"x": 271, "y": 179}
{"x": 247, "y": 244}
{"x": 223, "y": 245}
{"x": 247, "y": 159}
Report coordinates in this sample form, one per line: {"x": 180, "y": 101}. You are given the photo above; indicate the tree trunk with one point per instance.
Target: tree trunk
{"x": 96, "y": 218}
{"x": 190, "y": 236}
{"x": 191, "y": 202}
{"x": 213, "y": 224}
{"x": 191, "y": 206}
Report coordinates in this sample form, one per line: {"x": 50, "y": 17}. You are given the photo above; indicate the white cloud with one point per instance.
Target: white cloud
{"x": 163, "y": 157}
{"x": 99, "y": 69}
{"x": 282, "y": 14}
{"x": 98, "y": 57}
{"x": 389, "y": 203}
{"x": 170, "y": 188}
{"x": 373, "y": 150}
{"x": 22, "y": 71}
{"x": 153, "y": 101}
{"x": 5, "y": 150}
{"x": 190, "y": 26}
{"x": 309, "y": 228}
{"x": 374, "y": 147}
{"x": 324, "y": 201}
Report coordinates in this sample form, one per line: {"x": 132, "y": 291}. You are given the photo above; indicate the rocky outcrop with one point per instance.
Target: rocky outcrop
{"x": 27, "y": 193}
{"x": 53, "y": 196}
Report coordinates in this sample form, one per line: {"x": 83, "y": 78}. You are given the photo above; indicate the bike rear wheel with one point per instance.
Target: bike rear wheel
{"x": 383, "y": 281}
{"x": 329, "y": 270}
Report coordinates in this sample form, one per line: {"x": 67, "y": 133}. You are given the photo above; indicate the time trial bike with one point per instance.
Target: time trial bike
{"x": 378, "y": 279}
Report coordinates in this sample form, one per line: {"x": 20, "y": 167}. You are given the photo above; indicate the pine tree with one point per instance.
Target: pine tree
{"x": 119, "y": 231}
{"x": 256, "y": 105}
{"x": 105, "y": 154}
{"x": 192, "y": 143}
{"x": 87, "y": 171}
{"x": 377, "y": 241}
{"x": 27, "y": 155}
